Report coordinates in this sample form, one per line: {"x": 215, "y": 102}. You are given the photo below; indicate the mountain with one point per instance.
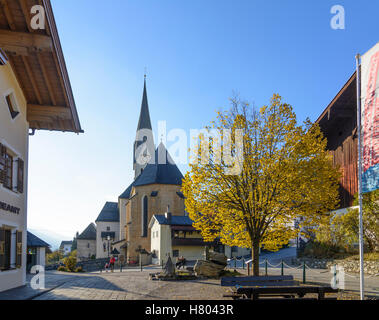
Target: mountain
{"x": 52, "y": 238}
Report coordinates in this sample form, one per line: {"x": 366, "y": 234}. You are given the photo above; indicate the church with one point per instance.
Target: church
{"x": 156, "y": 185}
{"x": 149, "y": 221}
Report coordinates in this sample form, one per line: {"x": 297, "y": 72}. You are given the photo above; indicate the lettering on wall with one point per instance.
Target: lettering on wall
{"x": 7, "y": 207}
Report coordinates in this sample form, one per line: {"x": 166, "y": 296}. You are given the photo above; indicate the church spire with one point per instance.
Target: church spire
{"x": 144, "y": 117}
{"x": 144, "y": 144}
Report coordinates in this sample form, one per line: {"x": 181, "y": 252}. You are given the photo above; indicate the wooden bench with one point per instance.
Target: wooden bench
{"x": 255, "y": 292}
{"x": 254, "y": 287}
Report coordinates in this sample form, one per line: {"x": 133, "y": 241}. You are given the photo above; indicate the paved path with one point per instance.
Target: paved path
{"x": 133, "y": 284}
{"x": 324, "y": 276}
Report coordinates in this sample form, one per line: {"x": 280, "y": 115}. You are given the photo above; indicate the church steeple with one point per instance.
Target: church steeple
{"x": 144, "y": 117}
{"x": 144, "y": 147}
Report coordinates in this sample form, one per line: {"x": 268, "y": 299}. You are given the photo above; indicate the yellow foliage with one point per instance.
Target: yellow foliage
{"x": 286, "y": 173}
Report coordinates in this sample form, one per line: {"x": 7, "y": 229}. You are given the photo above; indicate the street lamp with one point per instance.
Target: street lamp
{"x": 109, "y": 239}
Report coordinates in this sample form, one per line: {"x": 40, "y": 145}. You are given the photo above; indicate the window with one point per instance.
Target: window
{"x": 11, "y": 106}
{"x": 8, "y": 171}
{"x": 144, "y": 216}
{"x": 108, "y": 228}
{"x": 5, "y": 249}
{"x": 20, "y": 175}
{"x": 88, "y": 245}
{"x": 175, "y": 253}
{"x": 3, "y": 151}
{"x": 105, "y": 247}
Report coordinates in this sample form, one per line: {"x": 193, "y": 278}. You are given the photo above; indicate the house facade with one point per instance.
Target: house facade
{"x": 36, "y": 251}
{"x": 175, "y": 236}
{"x": 107, "y": 229}
{"x": 86, "y": 243}
{"x": 66, "y": 247}
{"x": 35, "y": 94}
{"x": 338, "y": 122}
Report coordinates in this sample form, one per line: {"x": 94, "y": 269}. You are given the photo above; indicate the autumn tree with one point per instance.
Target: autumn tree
{"x": 282, "y": 171}
{"x": 345, "y": 227}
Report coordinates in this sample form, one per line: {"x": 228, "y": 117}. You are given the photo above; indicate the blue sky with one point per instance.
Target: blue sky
{"x": 197, "y": 54}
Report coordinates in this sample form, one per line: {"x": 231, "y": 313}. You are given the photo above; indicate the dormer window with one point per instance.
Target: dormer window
{"x": 12, "y": 106}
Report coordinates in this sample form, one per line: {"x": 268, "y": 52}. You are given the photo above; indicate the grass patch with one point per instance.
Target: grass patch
{"x": 373, "y": 256}
{"x": 229, "y": 273}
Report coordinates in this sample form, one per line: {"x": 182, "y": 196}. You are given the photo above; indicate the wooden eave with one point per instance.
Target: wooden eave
{"x": 38, "y": 63}
{"x": 343, "y": 106}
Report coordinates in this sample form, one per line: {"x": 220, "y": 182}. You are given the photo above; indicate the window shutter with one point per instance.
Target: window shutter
{"x": 2, "y": 249}
{"x": 18, "y": 249}
{"x": 20, "y": 175}
{"x": 2, "y": 164}
{"x": 8, "y": 171}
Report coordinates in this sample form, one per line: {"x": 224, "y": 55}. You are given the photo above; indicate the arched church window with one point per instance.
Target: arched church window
{"x": 144, "y": 217}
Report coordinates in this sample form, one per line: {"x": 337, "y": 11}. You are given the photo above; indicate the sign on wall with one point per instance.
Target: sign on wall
{"x": 370, "y": 119}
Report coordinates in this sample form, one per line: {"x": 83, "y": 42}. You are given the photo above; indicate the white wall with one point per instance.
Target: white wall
{"x": 14, "y": 135}
{"x": 102, "y": 227}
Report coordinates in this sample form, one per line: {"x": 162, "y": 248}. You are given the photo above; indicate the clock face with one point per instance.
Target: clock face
{"x": 144, "y": 157}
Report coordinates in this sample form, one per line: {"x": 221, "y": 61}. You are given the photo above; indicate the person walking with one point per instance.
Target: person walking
{"x": 111, "y": 262}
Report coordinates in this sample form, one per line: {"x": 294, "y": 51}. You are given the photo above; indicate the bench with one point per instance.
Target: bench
{"x": 258, "y": 281}
{"x": 255, "y": 292}
{"x": 254, "y": 287}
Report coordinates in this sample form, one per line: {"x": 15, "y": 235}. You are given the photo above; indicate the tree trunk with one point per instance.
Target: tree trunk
{"x": 255, "y": 256}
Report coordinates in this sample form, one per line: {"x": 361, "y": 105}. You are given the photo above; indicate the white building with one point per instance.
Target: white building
{"x": 175, "y": 236}
{"x": 36, "y": 251}
{"x": 66, "y": 247}
{"x": 35, "y": 94}
{"x": 107, "y": 229}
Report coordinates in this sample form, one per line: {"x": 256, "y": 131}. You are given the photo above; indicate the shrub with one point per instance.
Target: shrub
{"x": 70, "y": 263}
{"x": 79, "y": 269}
{"x": 319, "y": 250}
{"x": 62, "y": 268}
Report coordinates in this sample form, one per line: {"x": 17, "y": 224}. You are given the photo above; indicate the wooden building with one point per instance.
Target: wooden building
{"x": 338, "y": 122}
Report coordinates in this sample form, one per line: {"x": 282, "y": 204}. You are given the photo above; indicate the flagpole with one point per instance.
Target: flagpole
{"x": 359, "y": 132}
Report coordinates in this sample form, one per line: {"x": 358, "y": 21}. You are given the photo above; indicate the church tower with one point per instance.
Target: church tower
{"x": 144, "y": 147}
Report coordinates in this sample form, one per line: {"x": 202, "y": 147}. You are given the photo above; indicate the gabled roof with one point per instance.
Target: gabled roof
{"x": 175, "y": 220}
{"x": 89, "y": 233}
{"x": 63, "y": 243}
{"x": 163, "y": 171}
{"x": 34, "y": 241}
{"x": 157, "y": 173}
{"x": 109, "y": 213}
{"x": 126, "y": 193}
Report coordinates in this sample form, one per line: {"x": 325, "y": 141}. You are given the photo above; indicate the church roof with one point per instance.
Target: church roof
{"x": 109, "y": 213}
{"x": 162, "y": 171}
{"x": 157, "y": 173}
{"x": 89, "y": 233}
{"x": 126, "y": 193}
{"x": 144, "y": 117}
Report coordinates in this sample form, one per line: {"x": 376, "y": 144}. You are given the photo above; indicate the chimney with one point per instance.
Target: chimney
{"x": 168, "y": 213}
